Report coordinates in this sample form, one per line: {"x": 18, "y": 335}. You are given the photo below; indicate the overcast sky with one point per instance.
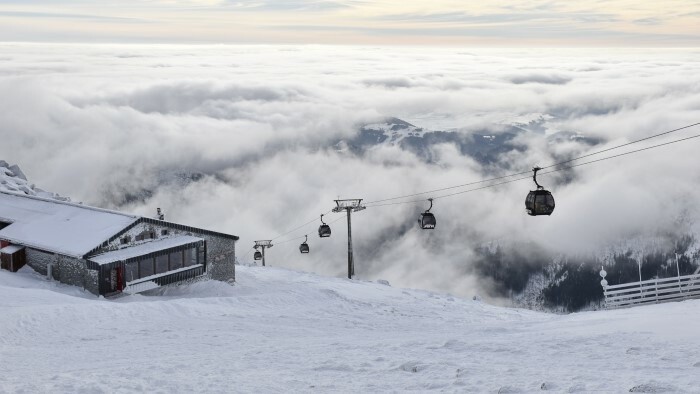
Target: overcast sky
{"x": 509, "y": 23}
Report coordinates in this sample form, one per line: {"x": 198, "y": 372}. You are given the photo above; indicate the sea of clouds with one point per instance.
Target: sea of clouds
{"x": 102, "y": 122}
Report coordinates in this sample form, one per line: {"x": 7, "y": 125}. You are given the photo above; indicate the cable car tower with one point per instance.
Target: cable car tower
{"x": 262, "y": 245}
{"x": 351, "y": 205}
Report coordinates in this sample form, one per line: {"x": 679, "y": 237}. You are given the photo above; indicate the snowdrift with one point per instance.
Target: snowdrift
{"x": 283, "y": 331}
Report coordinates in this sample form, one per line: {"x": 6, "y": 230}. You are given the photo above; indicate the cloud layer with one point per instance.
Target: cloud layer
{"x": 98, "y": 123}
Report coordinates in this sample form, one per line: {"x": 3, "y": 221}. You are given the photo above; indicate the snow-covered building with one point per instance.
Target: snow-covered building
{"x": 104, "y": 251}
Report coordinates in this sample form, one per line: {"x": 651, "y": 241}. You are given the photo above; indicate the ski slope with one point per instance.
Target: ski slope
{"x": 278, "y": 330}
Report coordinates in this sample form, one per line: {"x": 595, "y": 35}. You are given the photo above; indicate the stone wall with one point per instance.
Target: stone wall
{"x": 221, "y": 258}
{"x": 39, "y": 260}
{"x": 68, "y": 270}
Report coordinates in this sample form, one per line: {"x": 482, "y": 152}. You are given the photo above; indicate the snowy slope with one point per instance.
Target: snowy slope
{"x": 282, "y": 331}
{"x": 12, "y": 179}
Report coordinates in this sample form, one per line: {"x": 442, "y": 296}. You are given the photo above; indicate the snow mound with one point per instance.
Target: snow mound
{"x": 13, "y": 180}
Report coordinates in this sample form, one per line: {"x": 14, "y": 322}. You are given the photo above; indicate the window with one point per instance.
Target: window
{"x": 176, "y": 260}
{"x": 146, "y": 267}
{"x": 162, "y": 264}
{"x": 550, "y": 200}
{"x": 164, "y": 232}
{"x": 190, "y": 257}
{"x": 146, "y": 234}
{"x": 131, "y": 272}
{"x": 125, "y": 240}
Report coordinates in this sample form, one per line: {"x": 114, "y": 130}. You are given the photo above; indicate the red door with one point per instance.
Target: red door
{"x": 120, "y": 278}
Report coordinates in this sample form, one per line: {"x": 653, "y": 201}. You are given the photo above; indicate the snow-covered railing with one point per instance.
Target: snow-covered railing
{"x": 651, "y": 291}
{"x": 158, "y": 280}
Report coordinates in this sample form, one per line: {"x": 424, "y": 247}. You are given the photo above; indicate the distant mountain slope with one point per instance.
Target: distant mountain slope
{"x": 485, "y": 146}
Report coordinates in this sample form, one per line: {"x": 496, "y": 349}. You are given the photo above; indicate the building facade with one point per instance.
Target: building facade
{"x": 108, "y": 252}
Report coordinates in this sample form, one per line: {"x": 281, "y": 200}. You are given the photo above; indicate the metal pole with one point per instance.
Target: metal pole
{"x": 639, "y": 264}
{"x": 351, "y": 266}
{"x": 678, "y": 271}
{"x": 263, "y": 253}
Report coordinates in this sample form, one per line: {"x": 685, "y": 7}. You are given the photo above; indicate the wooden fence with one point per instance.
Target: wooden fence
{"x": 652, "y": 291}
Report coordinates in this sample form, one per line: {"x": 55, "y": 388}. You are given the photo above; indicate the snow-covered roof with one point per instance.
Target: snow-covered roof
{"x": 58, "y": 226}
{"x": 11, "y": 249}
{"x": 143, "y": 249}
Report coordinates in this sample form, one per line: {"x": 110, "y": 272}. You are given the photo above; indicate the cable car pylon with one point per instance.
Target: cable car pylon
{"x": 351, "y": 205}
{"x": 262, "y": 245}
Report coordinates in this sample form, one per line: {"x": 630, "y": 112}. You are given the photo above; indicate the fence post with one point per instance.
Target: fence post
{"x": 656, "y": 290}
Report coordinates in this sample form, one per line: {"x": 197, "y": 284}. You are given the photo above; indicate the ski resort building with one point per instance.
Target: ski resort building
{"x": 107, "y": 252}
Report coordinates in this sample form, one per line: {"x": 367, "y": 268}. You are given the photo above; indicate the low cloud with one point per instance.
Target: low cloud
{"x": 551, "y": 79}
{"x": 257, "y": 125}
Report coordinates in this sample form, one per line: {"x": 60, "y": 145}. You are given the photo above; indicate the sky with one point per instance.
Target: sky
{"x": 510, "y": 23}
{"x": 259, "y": 124}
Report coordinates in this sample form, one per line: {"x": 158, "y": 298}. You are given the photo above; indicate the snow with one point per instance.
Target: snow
{"x": 13, "y": 180}
{"x": 143, "y": 249}
{"x": 11, "y": 249}
{"x": 396, "y": 130}
{"x": 58, "y": 226}
{"x": 277, "y": 330}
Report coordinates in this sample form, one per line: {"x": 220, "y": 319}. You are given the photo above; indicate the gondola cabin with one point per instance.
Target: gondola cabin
{"x": 427, "y": 221}
{"x": 324, "y": 231}
{"x": 539, "y": 202}
{"x": 304, "y": 247}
